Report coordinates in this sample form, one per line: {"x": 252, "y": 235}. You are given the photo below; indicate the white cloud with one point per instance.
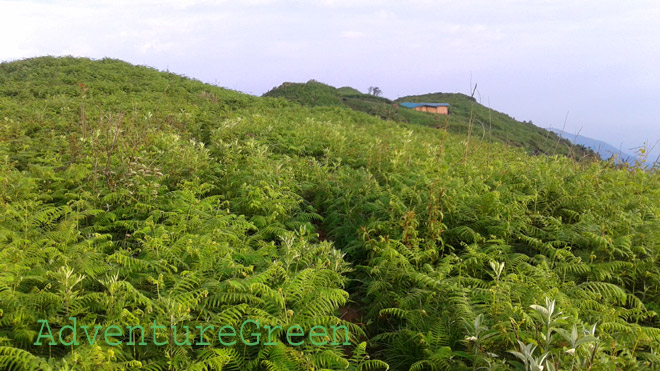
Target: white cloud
{"x": 352, "y": 34}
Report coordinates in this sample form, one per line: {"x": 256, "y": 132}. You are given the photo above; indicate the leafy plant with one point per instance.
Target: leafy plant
{"x": 131, "y": 196}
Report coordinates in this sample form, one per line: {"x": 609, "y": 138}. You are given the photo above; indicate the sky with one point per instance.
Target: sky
{"x": 591, "y": 67}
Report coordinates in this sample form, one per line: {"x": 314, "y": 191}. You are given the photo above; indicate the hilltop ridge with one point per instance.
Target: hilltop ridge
{"x": 466, "y": 115}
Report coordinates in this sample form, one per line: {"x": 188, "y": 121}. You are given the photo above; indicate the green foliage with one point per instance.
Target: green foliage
{"x": 312, "y": 93}
{"x": 131, "y": 196}
{"x": 467, "y": 116}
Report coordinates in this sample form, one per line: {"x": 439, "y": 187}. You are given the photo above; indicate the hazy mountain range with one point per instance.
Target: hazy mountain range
{"x": 605, "y": 150}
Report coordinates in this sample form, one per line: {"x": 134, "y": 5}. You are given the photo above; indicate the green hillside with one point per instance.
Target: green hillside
{"x": 135, "y": 202}
{"x": 466, "y": 116}
{"x": 315, "y": 94}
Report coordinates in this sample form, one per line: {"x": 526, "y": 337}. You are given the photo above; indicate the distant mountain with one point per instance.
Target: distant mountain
{"x": 605, "y": 150}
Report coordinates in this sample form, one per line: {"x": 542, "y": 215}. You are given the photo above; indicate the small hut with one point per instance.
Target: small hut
{"x": 437, "y": 108}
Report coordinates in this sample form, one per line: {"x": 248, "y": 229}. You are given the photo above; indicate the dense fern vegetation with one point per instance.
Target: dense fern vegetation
{"x": 131, "y": 197}
{"x": 468, "y": 117}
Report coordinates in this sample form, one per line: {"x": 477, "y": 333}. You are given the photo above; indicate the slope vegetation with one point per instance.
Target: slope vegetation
{"x": 131, "y": 197}
{"x": 467, "y": 116}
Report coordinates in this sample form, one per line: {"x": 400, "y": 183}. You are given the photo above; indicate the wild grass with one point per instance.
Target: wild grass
{"x": 146, "y": 196}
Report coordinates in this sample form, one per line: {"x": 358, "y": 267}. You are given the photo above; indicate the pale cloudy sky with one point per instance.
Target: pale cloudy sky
{"x": 598, "y": 61}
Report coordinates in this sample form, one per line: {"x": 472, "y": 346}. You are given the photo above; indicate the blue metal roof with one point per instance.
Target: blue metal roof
{"x": 413, "y": 105}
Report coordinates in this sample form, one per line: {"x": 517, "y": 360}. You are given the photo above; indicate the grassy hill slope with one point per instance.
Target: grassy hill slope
{"x": 132, "y": 197}
{"x": 489, "y": 124}
{"x": 314, "y": 94}
{"x": 466, "y": 115}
